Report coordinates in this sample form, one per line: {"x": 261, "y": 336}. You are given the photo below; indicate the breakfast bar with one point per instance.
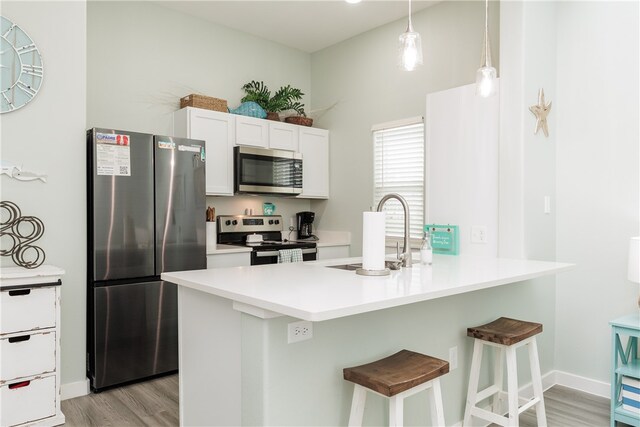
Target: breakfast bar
{"x": 237, "y": 367}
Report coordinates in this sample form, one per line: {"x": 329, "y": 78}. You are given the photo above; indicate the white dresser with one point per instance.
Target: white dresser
{"x": 30, "y": 346}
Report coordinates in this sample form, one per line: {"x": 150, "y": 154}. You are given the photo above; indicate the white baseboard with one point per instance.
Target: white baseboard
{"x": 551, "y": 378}
{"x": 587, "y": 385}
{"x": 76, "y": 389}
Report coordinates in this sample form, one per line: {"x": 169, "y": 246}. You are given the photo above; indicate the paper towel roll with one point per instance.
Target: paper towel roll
{"x": 373, "y": 230}
{"x": 211, "y": 235}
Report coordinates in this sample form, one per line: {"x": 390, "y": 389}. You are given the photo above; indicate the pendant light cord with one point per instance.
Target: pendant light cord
{"x": 487, "y": 48}
{"x": 410, "y": 26}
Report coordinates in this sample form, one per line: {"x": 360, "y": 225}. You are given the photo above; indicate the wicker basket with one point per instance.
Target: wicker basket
{"x": 299, "y": 120}
{"x": 206, "y": 102}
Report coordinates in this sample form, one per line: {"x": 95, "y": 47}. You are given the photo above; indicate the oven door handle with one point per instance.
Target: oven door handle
{"x": 275, "y": 253}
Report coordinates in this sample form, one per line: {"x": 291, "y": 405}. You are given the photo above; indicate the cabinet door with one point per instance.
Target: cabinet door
{"x": 314, "y": 146}
{"x": 283, "y": 136}
{"x": 217, "y": 130}
{"x": 252, "y": 131}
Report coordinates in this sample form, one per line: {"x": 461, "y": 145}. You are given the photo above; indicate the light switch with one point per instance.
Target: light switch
{"x": 547, "y": 204}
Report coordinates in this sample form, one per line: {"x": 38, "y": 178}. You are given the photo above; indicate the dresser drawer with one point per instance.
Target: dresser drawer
{"x": 21, "y": 402}
{"x": 27, "y": 355}
{"x": 27, "y": 309}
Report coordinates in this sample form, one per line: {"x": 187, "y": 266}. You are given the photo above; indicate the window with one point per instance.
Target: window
{"x": 398, "y": 153}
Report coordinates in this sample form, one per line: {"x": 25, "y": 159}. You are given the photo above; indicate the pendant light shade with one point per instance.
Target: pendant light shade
{"x": 409, "y": 47}
{"x": 486, "y": 83}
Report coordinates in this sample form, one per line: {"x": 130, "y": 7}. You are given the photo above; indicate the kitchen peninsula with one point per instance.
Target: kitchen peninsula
{"x": 236, "y": 367}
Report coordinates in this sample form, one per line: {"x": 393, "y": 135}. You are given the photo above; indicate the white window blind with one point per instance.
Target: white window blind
{"x": 399, "y": 168}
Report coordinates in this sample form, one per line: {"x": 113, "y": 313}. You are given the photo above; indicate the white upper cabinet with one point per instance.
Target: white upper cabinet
{"x": 314, "y": 146}
{"x": 222, "y": 131}
{"x": 252, "y": 131}
{"x": 283, "y": 136}
{"x": 217, "y": 130}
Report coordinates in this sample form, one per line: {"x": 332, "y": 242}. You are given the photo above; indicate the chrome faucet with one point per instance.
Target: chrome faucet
{"x": 405, "y": 256}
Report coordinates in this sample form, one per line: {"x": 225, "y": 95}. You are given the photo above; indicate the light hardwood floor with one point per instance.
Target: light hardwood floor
{"x": 155, "y": 403}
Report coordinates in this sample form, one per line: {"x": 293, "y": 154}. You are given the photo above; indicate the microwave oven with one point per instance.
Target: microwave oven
{"x": 259, "y": 170}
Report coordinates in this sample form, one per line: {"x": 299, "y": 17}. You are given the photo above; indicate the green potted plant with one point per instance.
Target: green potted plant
{"x": 286, "y": 98}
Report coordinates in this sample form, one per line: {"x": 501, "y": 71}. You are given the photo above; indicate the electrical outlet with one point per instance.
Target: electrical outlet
{"x": 453, "y": 358}
{"x": 299, "y": 331}
{"x": 478, "y": 234}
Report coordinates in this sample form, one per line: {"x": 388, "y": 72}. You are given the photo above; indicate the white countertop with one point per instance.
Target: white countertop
{"x": 325, "y": 244}
{"x": 228, "y": 249}
{"x": 311, "y": 291}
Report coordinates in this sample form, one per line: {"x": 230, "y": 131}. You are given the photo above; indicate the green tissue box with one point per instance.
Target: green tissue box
{"x": 445, "y": 239}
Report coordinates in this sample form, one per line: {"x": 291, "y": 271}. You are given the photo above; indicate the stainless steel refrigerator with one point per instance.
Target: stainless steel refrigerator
{"x": 146, "y": 215}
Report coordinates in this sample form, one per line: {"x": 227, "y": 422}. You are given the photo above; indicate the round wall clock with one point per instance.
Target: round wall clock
{"x": 21, "y": 70}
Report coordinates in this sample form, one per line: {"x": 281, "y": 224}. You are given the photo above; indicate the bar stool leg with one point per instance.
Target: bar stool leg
{"x": 436, "y": 408}
{"x": 357, "y": 405}
{"x": 474, "y": 377}
{"x": 498, "y": 378}
{"x": 512, "y": 385}
{"x": 536, "y": 380}
{"x": 396, "y": 409}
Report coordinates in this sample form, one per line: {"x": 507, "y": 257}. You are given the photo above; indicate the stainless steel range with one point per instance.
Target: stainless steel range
{"x": 263, "y": 234}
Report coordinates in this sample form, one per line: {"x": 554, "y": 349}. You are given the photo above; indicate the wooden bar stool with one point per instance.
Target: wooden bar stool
{"x": 396, "y": 377}
{"x": 505, "y": 335}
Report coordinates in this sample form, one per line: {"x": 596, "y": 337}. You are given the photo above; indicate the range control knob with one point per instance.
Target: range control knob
{"x": 277, "y": 221}
{"x": 234, "y": 222}
{"x": 270, "y": 222}
{"x": 227, "y": 222}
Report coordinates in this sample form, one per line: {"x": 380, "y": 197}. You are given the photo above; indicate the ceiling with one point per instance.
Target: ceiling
{"x": 307, "y": 25}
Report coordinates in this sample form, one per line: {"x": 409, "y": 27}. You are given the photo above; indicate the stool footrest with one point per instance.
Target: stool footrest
{"x": 489, "y": 416}
{"x": 528, "y": 405}
{"x": 487, "y": 392}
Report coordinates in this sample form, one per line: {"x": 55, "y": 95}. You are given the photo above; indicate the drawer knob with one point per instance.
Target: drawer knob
{"x": 20, "y": 338}
{"x": 19, "y": 292}
{"x": 19, "y": 385}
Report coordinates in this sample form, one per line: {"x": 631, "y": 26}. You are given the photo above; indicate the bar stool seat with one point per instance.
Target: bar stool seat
{"x": 505, "y": 335}
{"x": 505, "y": 331}
{"x": 396, "y": 377}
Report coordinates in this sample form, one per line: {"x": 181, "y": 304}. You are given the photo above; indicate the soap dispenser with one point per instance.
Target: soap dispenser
{"x": 426, "y": 252}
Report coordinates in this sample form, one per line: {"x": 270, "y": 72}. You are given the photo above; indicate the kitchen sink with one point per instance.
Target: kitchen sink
{"x": 348, "y": 267}
{"x": 393, "y": 265}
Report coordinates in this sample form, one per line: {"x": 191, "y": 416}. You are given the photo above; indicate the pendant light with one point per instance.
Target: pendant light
{"x": 410, "y": 47}
{"x": 486, "y": 75}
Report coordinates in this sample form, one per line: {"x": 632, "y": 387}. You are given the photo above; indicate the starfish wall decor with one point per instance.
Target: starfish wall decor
{"x": 541, "y": 111}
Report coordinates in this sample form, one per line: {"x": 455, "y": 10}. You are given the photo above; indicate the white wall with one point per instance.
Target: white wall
{"x": 143, "y": 58}
{"x": 598, "y": 164}
{"x": 462, "y": 139}
{"x": 361, "y": 75}
{"x": 47, "y": 136}
{"x": 140, "y": 67}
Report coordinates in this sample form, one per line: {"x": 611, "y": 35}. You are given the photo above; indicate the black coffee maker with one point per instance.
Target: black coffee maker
{"x": 305, "y": 225}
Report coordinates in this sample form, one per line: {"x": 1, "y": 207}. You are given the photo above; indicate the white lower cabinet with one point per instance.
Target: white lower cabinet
{"x": 30, "y": 346}
{"x": 29, "y": 400}
{"x": 333, "y": 252}
{"x": 14, "y": 304}
{"x": 235, "y": 259}
{"x": 29, "y": 354}
{"x": 314, "y": 146}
